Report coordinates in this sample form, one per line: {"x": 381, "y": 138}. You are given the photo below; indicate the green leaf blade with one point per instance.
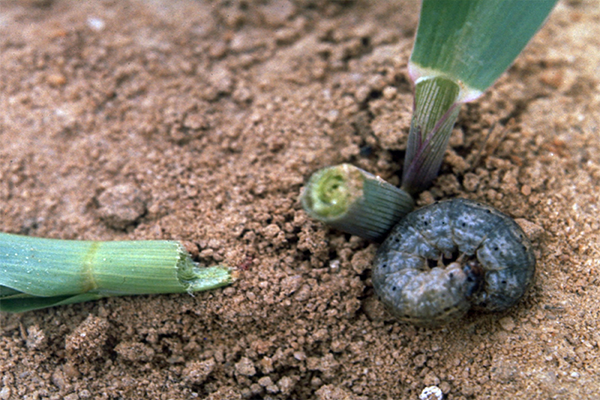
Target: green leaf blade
{"x": 16, "y": 305}
{"x": 474, "y": 41}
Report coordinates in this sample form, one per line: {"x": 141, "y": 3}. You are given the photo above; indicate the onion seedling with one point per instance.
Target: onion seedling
{"x": 37, "y": 273}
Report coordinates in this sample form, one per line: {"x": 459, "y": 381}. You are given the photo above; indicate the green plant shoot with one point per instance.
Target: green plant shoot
{"x": 37, "y": 273}
{"x": 355, "y": 201}
{"x": 461, "y": 48}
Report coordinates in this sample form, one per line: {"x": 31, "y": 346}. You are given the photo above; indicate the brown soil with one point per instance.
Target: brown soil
{"x": 200, "y": 121}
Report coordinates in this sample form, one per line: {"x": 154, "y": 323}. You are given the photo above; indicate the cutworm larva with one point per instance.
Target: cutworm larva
{"x": 450, "y": 256}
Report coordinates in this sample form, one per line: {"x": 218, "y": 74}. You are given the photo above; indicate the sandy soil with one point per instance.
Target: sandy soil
{"x": 200, "y": 121}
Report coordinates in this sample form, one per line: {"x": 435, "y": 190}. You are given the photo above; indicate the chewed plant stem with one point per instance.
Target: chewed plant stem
{"x": 355, "y": 201}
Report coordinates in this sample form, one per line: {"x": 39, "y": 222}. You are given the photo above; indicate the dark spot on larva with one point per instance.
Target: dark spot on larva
{"x": 425, "y": 223}
{"x": 384, "y": 265}
{"x": 504, "y": 282}
{"x": 366, "y": 151}
{"x": 451, "y": 275}
{"x": 394, "y": 288}
{"x": 488, "y": 211}
{"x": 397, "y": 240}
{"x": 496, "y": 248}
{"x": 464, "y": 224}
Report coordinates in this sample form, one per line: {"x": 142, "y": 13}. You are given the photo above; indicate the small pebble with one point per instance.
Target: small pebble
{"x": 389, "y": 92}
{"x": 507, "y": 324}
{"x": 56, "y": 80}
{"x": 532, "y": 230}
{"x": 96, "y": 24}
{"x": 121, "y": 206}
{"x": 431, "y": 393}
{"x": 245, "y": 367}
{"x": 5, "y": 393}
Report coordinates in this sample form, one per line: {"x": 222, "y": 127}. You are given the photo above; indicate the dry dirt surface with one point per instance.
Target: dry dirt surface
{"x": 201, "y": 120}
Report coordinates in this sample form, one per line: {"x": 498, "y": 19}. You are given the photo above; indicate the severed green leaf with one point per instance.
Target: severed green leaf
{"x": 37, "y": 273}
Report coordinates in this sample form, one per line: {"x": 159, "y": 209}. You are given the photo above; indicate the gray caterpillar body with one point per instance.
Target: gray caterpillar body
{"x": 448, "y": 257}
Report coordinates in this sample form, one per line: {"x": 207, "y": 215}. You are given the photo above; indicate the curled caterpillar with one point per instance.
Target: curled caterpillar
{"x": 446, "y": 258}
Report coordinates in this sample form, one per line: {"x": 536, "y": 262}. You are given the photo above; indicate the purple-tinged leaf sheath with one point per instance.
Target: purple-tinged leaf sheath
{"x": 435, "y": 112}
